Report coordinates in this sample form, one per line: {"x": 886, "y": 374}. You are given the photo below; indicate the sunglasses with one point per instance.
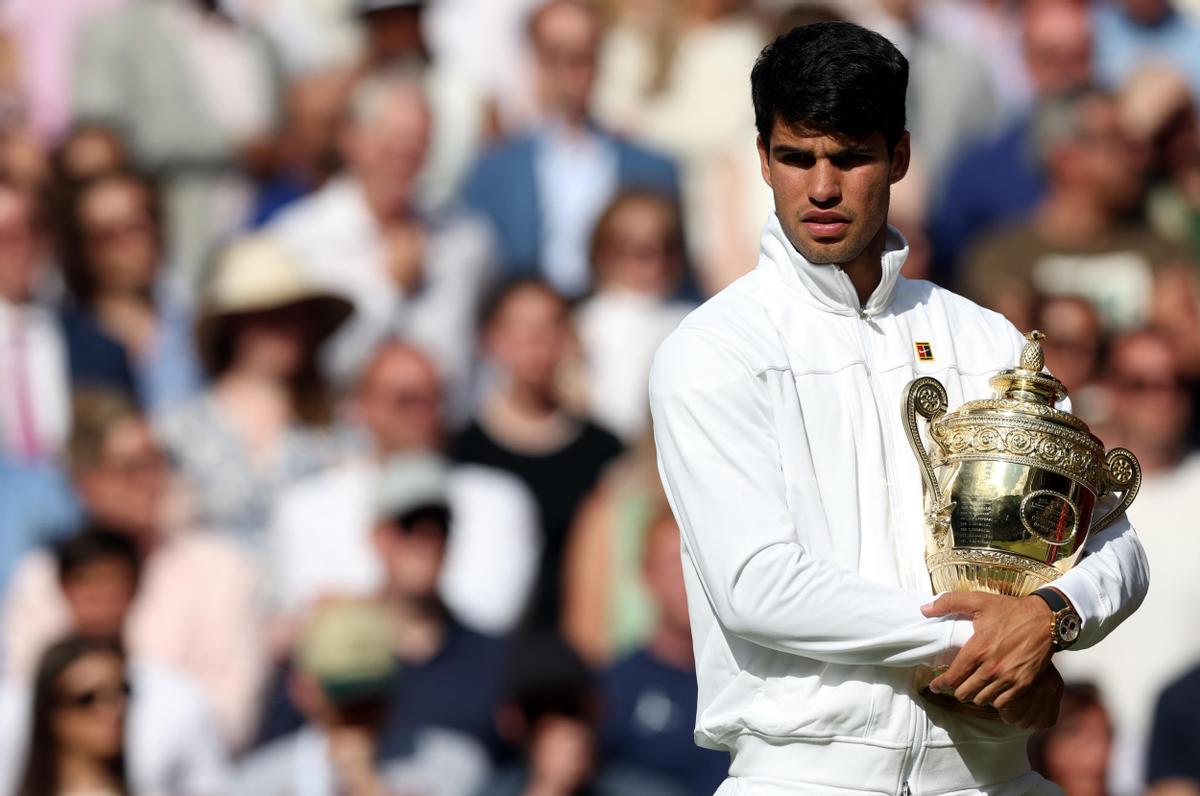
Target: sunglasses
{"x": 89, "y": 699}
{"x": 423, "y": 518}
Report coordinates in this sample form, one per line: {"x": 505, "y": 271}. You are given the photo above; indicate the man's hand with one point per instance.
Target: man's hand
{"x": 1010, "y": 648}
{"x": 1037, "y": 708}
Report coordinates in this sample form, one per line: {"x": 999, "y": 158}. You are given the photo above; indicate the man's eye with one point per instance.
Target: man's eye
{"x": 799, "y": 161}
{"x": 850, "y": 161}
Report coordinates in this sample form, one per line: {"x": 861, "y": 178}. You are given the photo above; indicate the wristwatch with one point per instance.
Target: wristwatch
{"x": 1064, "y": 622}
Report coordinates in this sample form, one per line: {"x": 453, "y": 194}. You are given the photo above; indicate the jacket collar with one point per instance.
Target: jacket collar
{"x": 827, "y": 286}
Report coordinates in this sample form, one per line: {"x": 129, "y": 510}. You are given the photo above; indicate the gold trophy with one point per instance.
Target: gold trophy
{"x": 1011, "y": 483}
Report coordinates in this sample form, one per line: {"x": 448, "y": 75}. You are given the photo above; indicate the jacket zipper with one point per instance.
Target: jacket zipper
{"x": 917, "y": 730}
{"x": 864, "y": 345}
{"x": 912, "y": 758}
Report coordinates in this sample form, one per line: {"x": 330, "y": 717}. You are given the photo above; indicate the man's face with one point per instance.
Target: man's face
{"x": 126, "y": 488}
{"x": 412, "y": 550}
{"x": 831, "y": 194}
{"x": 1058, "y": 47}
{"x": 389, "y": 146}
{"x": 565, "y": 43}
{"x": 98, "y": 596}
{"x": 400, "y": 402}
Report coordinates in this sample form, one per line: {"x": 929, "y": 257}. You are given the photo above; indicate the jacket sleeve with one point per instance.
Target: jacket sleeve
{"x": 721, "y": 468}
{"x": 1108, "y": 583}
{"x": 1110, "y": 580}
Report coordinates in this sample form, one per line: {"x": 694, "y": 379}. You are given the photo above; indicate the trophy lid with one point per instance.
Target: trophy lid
{"x": 1028, "y": 381}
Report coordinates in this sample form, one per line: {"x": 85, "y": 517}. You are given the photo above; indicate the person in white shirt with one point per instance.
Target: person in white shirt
{"x": 637, "y": 258}
{"x": 417, "y": 274}
{"x": 320, "y": 532}
{"x": 776, "y": 418}
{"x": 34, "y": 381}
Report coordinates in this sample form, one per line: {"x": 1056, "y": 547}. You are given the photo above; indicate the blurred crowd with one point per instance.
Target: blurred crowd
{"x": 325, "y": 328}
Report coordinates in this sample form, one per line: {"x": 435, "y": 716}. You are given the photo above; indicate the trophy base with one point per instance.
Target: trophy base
{"x": 948, "y": 703}
{"x": 986, "y": 570}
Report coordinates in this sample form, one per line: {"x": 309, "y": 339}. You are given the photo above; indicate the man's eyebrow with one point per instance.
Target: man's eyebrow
{"x": 850, "y": 150}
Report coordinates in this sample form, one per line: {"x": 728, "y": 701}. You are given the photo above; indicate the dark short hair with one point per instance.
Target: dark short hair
{"x": 92, "y": 545}
{"x": 834, "y": 78}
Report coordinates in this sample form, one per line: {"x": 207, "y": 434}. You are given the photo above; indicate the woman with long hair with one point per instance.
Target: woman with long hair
{"x": 78, "y": 735}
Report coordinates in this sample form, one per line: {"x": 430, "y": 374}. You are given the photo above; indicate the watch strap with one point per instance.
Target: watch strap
{"x": 1054, "y": 599}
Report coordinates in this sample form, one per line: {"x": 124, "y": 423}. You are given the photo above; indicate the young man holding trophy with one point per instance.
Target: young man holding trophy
{"x": 817, "y": 526}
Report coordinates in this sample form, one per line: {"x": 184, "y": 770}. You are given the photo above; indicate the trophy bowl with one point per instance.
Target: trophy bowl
{"x": 1011, "y": 483}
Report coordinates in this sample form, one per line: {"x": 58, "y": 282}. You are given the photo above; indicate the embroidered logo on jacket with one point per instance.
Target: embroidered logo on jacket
{"x": 924, "y": 352}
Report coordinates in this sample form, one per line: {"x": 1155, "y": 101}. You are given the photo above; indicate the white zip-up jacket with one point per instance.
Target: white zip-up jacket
{"x": 776, "y": 411}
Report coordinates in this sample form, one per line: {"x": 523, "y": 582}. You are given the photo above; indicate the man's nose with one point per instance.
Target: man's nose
{"x": 824, "y": 186}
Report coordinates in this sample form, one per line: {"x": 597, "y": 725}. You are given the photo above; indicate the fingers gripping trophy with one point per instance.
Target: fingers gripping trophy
{"x": 1011, "y": 483}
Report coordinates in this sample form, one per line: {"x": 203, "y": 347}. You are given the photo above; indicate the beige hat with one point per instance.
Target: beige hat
{"x": 347, "y": 647}
{"x": 257, "y": 274}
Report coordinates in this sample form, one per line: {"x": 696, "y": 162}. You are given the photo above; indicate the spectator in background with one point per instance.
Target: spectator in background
{"x": 1173, "y": 767}
{"x": 416, "y": 275}
{"x": 607, "y": 609}
{"x": 1132, "y": 32}
{"x": 196, "y": 97}
{"x": 637, "y": 262}
{"x": 544, "y": 190}
{"x": 650, "y": 695}
{"x": 345, "y": 672}
{"x": 1074, "y": 753}
{"x": 1073, "y": 347}
{"x": 1150, "y": 414}
{"x": 321, "y": 527}
{"x": 122, "y": 296}
{"x": 307, "y": 153}
{"x": 1077, "y": 241}
{"x": 951, "y": 99}
{"x": 34, "y": 379}
{"x": 992, "y": 28}
{"x": 395, "y": 34}
{"x": 673, "y": 75}
{"x": 88, "y": 151}
{"x": 172, "y": 742}
{"x": 523, "y": 426}
{"x": 77, "y": 738}
{"x": 451, "y": 678}
{"x": 196, "y": 606}
{"x": 263, "y": 423}
{"x": 551, "y": 716}
{"x": 1001, "y": 178}
{"x": 1158, "y": 109}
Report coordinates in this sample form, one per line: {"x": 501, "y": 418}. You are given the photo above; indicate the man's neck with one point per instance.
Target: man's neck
{"x": 420, "y": 626}
{"x": 387, "y": 203}
{"x": 866, "y": 270}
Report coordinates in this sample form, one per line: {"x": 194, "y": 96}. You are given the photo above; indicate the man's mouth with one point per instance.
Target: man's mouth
{"x": 824, "y": 224}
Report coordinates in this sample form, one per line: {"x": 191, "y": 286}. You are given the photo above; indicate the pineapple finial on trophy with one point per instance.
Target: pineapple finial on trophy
{"x": 1032, "y": 356}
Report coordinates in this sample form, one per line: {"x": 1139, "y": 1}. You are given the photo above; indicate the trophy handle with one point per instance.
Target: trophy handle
{"x": 1122, "y": 473}
{"x": 925, "y": 397}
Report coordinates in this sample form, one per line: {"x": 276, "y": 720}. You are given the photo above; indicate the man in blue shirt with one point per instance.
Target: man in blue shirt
{"x": 651, "y": 694}
{"x": 38, "y": 507}
{"x": 544, "y": 190}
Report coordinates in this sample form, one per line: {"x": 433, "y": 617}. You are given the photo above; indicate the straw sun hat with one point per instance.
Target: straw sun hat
{"x": 257, "y": 274}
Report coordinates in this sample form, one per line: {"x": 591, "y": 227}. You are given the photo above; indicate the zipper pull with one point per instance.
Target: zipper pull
{"x": 905, "y": 791}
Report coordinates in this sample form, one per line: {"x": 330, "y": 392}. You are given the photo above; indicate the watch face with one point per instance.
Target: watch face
{"x": 1068, "y": 627}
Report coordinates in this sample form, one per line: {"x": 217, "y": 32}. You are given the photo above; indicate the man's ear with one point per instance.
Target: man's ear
{"x": 764, "y": 157}
{"x": 901, "y": 157}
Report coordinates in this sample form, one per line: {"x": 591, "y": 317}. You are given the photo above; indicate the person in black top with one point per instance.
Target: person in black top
{"x": 523, "y": 427}
{"x": 451, "y": 678}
